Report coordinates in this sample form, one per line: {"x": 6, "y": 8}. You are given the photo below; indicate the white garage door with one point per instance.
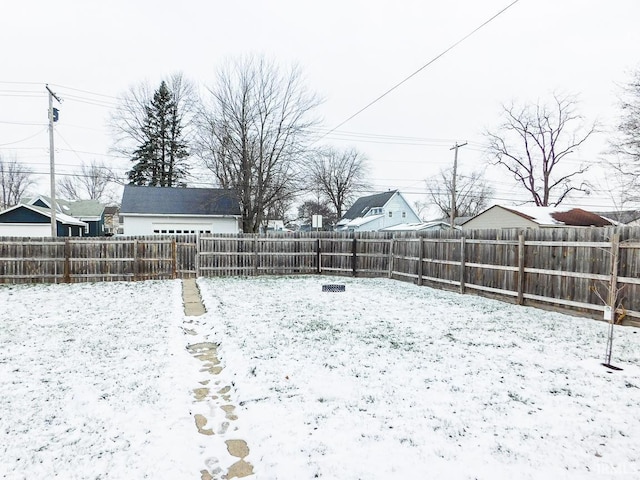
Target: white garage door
{"x": 25, "y": 230}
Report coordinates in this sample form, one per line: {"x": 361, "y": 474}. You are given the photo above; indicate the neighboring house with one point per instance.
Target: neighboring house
{"x": 169, "y": 210}
{"x": 376, "y": 212}
{"x": 111, "y": 220}
{"x": 26, "y": 220}
{"x": 535, "y": 217}
{"x": 275, "y": 226}
{"x": 91, "y": 212}
{"x": 419, "y": 227}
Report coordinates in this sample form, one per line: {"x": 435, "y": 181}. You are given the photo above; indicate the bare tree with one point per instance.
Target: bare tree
{"x": 309, "y": 208}
{"x": 473, "y": 193}
{"x": 532, "y": 143}
{"x": 626, "y": 145}
{"x": 337, "y": 175}
{"x": 622, "y": 188}
{"x": 15, "y": 179}
{"x": 92, "y": 183}
{"x": 277, "y": 211}
{"x": 253, "y": 133}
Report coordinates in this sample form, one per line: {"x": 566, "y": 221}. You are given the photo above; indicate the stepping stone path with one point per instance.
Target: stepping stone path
{"x": 211, "y": 392}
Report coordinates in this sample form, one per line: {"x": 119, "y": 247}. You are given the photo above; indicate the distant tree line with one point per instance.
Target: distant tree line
{"x": 253, "y": 130}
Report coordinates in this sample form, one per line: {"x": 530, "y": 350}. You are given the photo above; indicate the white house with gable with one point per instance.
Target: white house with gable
{"x": 377, "y": 212}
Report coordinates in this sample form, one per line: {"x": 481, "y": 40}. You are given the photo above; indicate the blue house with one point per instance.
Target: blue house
{"x": 32, "y": 218}
{"x": 25, "y": 220}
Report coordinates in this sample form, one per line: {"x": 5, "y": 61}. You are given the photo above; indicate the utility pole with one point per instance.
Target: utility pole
{"x": 53, "y": 117}
{"x": 453, "y": 183}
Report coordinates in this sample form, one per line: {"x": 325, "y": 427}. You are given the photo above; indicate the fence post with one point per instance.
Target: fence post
{"x": 197, "y": 255}
{"x": 391, "y": 258}
{"x": 319, "y": 255}
{"x": 67, "y": 261}
{"x": 463, "y": 260}
{"x": 420, "y": 255}
{"x": 174, "y": 257}
{"x": 613, "y": 281}
{"x": 354, "y": 256}
{"x": 521, "y": 257}
{"x": 256, "y": 258}
{"x": 136, "y": 266}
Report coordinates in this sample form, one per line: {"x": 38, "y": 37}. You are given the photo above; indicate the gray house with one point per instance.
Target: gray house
{"x": 169, "y": 210}
{"x": 377, "y": 212}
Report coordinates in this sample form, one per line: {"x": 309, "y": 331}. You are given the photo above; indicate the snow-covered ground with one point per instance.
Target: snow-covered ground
{"x": 92, "y": 382}
{"x": 386, "y": 380}
{"x": 391, "y": 380}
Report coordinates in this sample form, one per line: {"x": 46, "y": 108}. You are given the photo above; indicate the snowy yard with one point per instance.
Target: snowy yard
{"x": 386, "y": 380}
{"x": 92, "y": 384}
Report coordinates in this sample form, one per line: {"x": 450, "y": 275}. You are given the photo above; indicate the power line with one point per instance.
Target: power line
{"x": 385, "y": 136}
{"x": 68, "y": 145}
{"x": 406, "y": 79}
{"x": 30, "y": 124}
{"x": 28, "y": 95}
{"x": 20, "y": 91}
{"x": 3, "y": 82}
{"x": 85, "y": 91}
{"x": 24, "y": 139}
{"x": 91, "y": 101}
{"x": 94, "y": 153}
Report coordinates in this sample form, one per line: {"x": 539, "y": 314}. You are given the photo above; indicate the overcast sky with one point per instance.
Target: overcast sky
{"x": 350, "y": 51}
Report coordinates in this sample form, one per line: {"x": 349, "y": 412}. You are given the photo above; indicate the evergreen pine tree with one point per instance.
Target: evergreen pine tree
{"x": 160, "y": 159}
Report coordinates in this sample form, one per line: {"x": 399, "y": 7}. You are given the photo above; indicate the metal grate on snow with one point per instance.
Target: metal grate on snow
{"x": 333, "y": 288}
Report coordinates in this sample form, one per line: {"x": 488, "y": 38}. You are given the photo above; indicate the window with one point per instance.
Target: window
{"x": 390, "y": 214}
{"x": 156, "y": 231}
{"x": 404, "y": 214}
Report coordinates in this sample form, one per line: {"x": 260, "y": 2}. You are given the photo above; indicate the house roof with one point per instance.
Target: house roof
{"x": 557, "y": 216}
{"x": 179, "y": 201}
{"x": 362, "y": 205}
{"x": 60, "y": 217}
{"x": 111, "y": 210}
{"x": 358, "y": 222}
{"x": 551, "y": 216}
{"x": 77, "y": 208}
{"x": 457, "y": 221}
{"x": 416, "y": 227}
{"x": 85, "y": 208}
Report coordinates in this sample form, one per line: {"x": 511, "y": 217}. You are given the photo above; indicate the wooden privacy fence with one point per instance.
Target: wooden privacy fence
{"x": 47, "y": 260}
{"x": 584, "y": 275}
{"x": 584, "y": 269}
